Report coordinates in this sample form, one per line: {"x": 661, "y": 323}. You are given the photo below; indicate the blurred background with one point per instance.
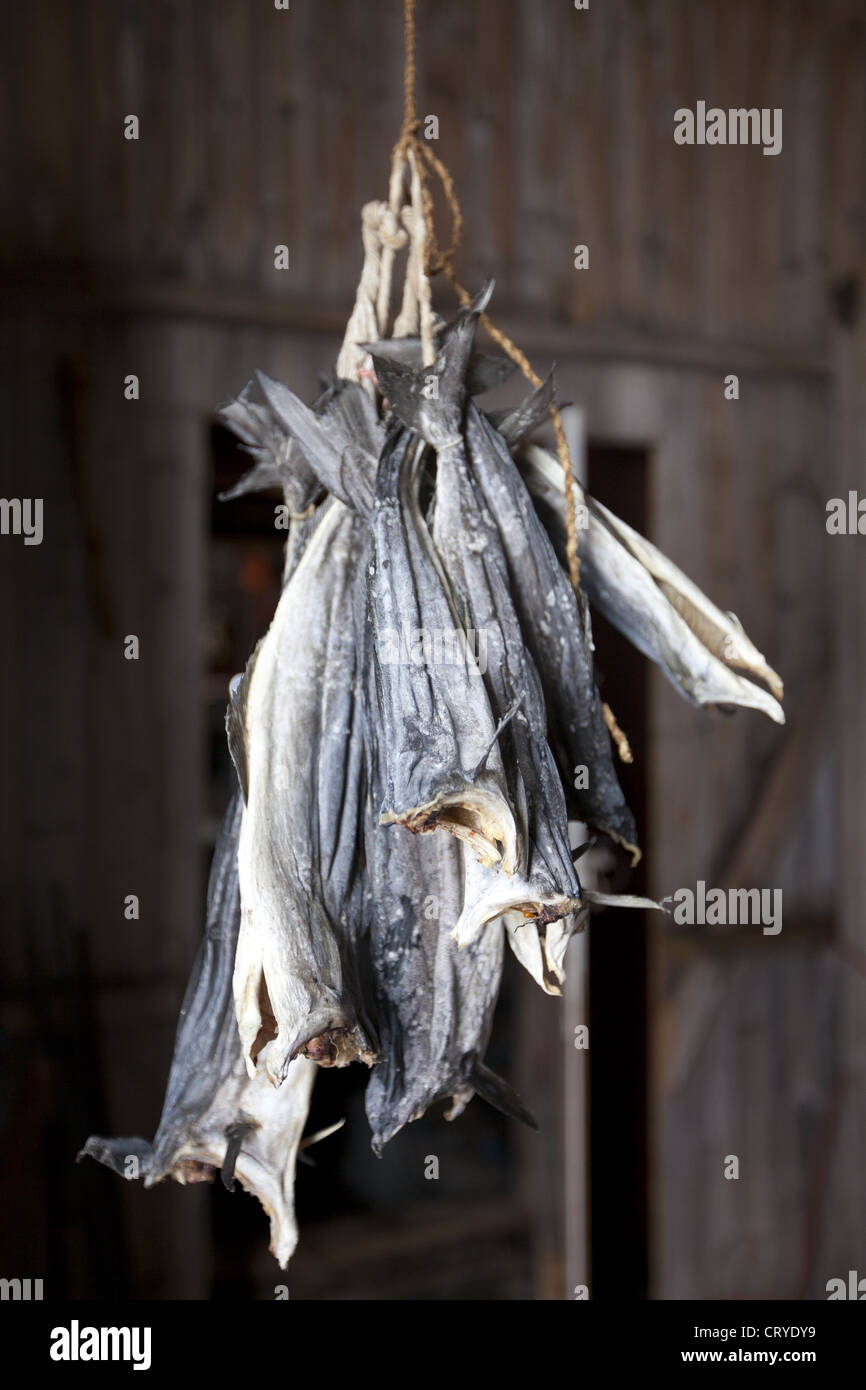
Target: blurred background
{"x": 154, "y": 257}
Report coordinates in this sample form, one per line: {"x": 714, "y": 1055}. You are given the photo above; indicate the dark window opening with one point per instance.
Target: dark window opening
{"x": 618, "y": 477}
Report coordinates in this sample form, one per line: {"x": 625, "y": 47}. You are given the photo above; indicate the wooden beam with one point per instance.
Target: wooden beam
{"x": 61, "y": 292}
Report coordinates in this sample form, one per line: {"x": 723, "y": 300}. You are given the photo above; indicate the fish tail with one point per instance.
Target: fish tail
{"x": 500, "y": 1094}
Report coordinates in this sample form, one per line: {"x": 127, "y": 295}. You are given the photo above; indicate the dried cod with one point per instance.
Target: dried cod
{"x": 403, "y": 799}
{"x": 436, "y": 764}
{"x": 295, "y": 728}
{"x": 555, "y": 633}
{"x": 666, "y": 616}
{"x": 215, "y": 1118}
{"x": 543, "y": 885}
{"x": 435, "y": 1002}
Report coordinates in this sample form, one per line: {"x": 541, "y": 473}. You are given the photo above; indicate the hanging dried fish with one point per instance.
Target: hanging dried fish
{"x": 277, "y": 463}
{"x": 435, "y": 761}
{"x": 215, "y": 1119}
{"x": 340, "y": 440}
{"x": 364, "y": 714}
{"x": 555, "y": 634}
{"x": 544, "y": 885}
{"x": 435, "y": 1002}
{"x": 654, "y": 604}
{"x": 403, "y": 799}
{"x": 295, "y": 732}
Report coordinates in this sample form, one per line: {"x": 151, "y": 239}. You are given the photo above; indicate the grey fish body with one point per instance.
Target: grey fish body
{"x": 435, "y": 764}
{"x": 554, "y": 632}
{"x": 298, "y": 841}
{"x": 544, "y": 884}
{"x": 653, "y": 603}
{"x": 214, "y": 1117}
{"x": 340, "y": 442}
{"x": 554, "y": 628}
{"x": 435, "y": 1002}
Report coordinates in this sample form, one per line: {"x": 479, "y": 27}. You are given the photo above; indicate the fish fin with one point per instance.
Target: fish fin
{"x": 514, "y": 425}
{"x": 305, "y": 427}
{"x": 582, "y": 849}
{"x": 321, "y": 1134}
{"x": 500, "y": 1094}
{"x": 624, "y": 900}
{"x": 277, "y": 464}
{"x": 342, "y": 426}
{"x": 249, "y": 422}
{"x": 260, "y": 478}
{"x": 434, "y": 413}
{"x": 115, "y": 1154}
{"x": 486, "y": 371}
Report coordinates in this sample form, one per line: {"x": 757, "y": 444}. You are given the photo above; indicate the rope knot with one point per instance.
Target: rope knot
{"x": 391, "y": 233}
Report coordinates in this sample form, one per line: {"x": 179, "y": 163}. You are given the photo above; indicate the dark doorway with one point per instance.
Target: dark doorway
{"x": 618, "y": 477}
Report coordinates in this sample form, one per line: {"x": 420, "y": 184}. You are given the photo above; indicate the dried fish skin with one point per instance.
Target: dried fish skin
{"x": 541, "y": 950}
{"x": 214, "y": 1117}
{"x": 259, "y": 1146}
{"x": 654, "y": 604}
{"x": 721, "y": 633}
{"x": 430, "y": 399}
{"x": 435, "y": 1003}
{"x": 545, "y": 884}
{"x": 554, "y": 628}
{"x": 554, "y": 632}
{"x": 489, "y": 896}
{"x": 341, "y": 443}
{"x": 206, "y": 1048}
{"x": 434, "y": 764}
{"x": 514, "y": 425}
{"x": 278, "y": 462}
{"x": 303, "y": 748}
{"x": 484, "y": 371}
{"x": 251, "y": 1131}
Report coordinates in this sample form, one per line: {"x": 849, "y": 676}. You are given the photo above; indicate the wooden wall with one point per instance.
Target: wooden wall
{"x": 261, "y": 126}
{"x": 156, "y": 257}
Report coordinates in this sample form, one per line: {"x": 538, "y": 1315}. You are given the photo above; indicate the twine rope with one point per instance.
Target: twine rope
{"x": 386, "y": 229}
{"x": 438, "y": 261}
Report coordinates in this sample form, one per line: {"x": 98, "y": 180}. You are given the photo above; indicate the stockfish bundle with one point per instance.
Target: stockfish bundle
{"x": 405, "y": 734}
